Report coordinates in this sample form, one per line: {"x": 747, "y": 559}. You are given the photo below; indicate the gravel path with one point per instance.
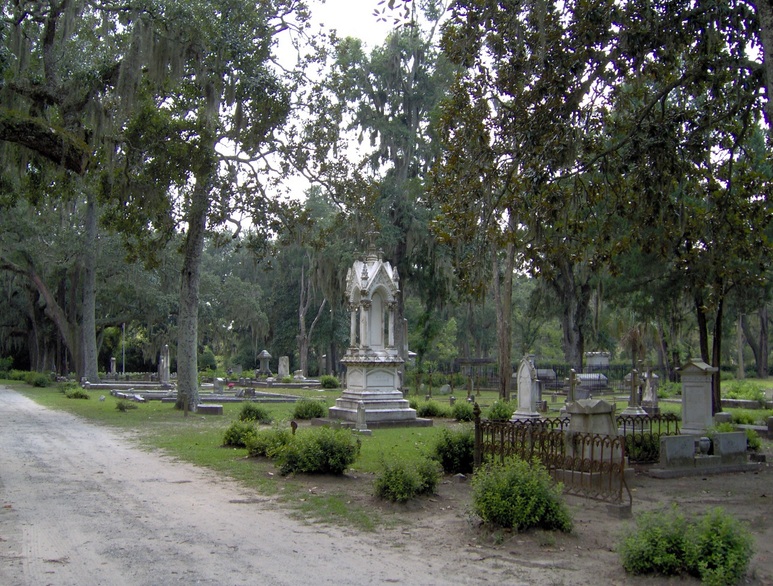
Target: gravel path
{"x": 81, "y": 505}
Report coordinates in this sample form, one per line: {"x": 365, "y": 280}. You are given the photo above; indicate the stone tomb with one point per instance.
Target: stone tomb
{"x": 372, "y": 359}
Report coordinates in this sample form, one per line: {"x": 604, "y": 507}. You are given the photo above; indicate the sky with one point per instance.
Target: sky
{"x": 351, "y": 18}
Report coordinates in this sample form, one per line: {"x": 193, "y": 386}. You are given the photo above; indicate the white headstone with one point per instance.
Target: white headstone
{"x": 529, "y": 394}
{"x": 696, "y": 397}
{"x": 284, "y": 367}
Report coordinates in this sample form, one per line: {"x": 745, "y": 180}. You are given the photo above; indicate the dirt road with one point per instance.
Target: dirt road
{"x": 84, "y": 505}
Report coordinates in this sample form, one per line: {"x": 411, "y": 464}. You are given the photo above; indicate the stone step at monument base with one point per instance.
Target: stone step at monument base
{"x": 384, "y": 424}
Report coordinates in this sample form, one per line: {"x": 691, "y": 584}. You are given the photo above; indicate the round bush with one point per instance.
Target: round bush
{"x": 254, "y": 412}
{"x": 520, "y": 496}
{"x": 77, "y": 394}
{"x": 267, "y": 442}
{"x": 308, "y": 409}
{"x": 455, "y": 451}
{"x": 238, "y": 432}
{"x": 400, "y": 483}
{"x": 319, "y": 451}
{"x": 501, "y": 411}
{"x": 431, "y": 409}
{"x": 718, "y": 549}
{"x": 657, "y": 545}
{"x": 462, "y": 411}
{"x": 328, "y": 381}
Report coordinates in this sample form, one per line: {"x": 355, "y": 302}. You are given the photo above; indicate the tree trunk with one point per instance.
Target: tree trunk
{"x": 739, "y": 330}
{"x": 89, "y": 303}
{"x": 574, "y": 297}
{"x": 750, "y": 339}
{"x": 703, "y": 329}
{"x": 503, "y": 297}
{"x": 762, "y": 363}
{"x": 716, "y": 360}
{"x": 188, "y": 334}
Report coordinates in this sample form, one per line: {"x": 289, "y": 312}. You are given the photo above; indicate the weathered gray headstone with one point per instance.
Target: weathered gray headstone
{"x": 677, "y": 451}
{"x": 529, "y": 392}
{"x": 283, "y": 369}
{"x": 696, "y": 397}
{"x": 731, "y": 447}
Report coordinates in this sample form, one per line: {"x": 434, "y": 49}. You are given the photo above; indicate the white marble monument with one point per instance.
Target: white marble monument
{"x": 529, "y": 391}
{"x": 372, "y": 359}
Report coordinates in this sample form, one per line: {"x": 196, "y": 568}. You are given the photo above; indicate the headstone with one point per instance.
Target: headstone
{"x": 633, "y": 408}
{"x": 649, "y": 400}
{"x": 298, "y": 375}
{"x": 219, "y": 385}
{"x": 361, "y": 425}
{"x": 597, "y": 359}
{"x": 677, "y": 451}
{"x": 591, "y": 417}
{"x": 163, "y": 365}
{"x": 445, "y": 390}
{"x": 731, "y": 447}
{"x": 112, "y": 365}
{"x": 529, "y": 391}
{"x": 696, "y": 397}
{"x": 283, "y": 369}
{"x": 263, "y": 358}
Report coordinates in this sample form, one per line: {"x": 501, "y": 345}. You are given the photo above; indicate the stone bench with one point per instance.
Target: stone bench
{"x": 209, "y": 409}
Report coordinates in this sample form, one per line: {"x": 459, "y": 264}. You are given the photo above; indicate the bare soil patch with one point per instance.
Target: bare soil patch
{"x": 81, "y": 504}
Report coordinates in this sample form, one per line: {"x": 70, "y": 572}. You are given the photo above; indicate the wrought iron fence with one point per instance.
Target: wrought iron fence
{"x": 642, "y": 434}
{"x": 588, "y": 465}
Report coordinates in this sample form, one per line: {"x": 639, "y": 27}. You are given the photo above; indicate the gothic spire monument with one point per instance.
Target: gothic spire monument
{"x": 372, "y": 359}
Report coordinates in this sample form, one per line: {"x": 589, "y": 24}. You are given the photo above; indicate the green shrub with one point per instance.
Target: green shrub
{"x": 719, "y": 549}
{"x": 267, "y": 442}
{"x": 287, "y": 379}
{"x": 431, "y": 409}
{"x": 5, "y": 366}
{"x": 21, "y": 375}
{"x": 37, "y": 379}
{"x": 745, "y": 390}
{"x": 328, "y": 381}
{"x": 237, "y": 433}
{"x": 501, "y": 411}
{"x": 642, "y": 447}
{"x": 123, "y": 405}
{"x": 308, "y": 409}
{"x": 319, "y": 451}
{"x": 715, "y": 548}
{"x": 455, "y": 450}
{"x": 657, "y": 546}
{"x": 400, "y": 483}
{"x": 462, "y": 411}
{"x": 413, "y": 403}
{"x": 254, "y": 412}
{"x": 743, "y": 418}
{"x": 520, "y": 496}
{"x": 669, "y": 389}
{"x": 753, "y": 441}
{"x": 77, "y": 394}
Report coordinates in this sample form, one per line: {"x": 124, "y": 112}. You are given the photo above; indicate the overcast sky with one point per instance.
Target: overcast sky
{"x": 351, "y": 18}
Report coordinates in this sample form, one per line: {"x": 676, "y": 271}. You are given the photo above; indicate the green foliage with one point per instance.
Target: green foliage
{"x": 207, "y": 360}
{"x": 123, "y": 405}
{"x": 501, "y": 411}
{"x": 400, "y": 482}
{"x": 37, "y": 379}
{"x": 753, "y": 440}
{"x": 267, "y": 442}
{"x": 238, "y": 433}
{"x": 75, "y": 394}
{"x": 520, "y": 496}
{"x": 287, "y": 379}
{"x": 743, "y": 418}
{"x": 308, "y": 409}
{"x": 657, "y": 546}
{"x": 669, "y": 389}
{"x": 21, "y": 375}
{"x": 5, "y": 366}
{"x": 463, "y": 411}
{"x": 431, "y": 409}
{"x": 328, "y": 381}
{"x": 322, "y": 450}
{"x": 719, "y": 549}
{"x": 455, "y": 450}
{"x": 715, "y": 548}
{"x": 254, "y": 412}
{"x": 744, "y": 390}
{"x": 642, "y": 447}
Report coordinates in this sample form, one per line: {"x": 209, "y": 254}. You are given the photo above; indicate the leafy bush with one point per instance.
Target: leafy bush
{"x": 400, "y": 483}
{"x": 37, "y": 379}
{"x": 5, "y": 366}
{"x": 743, "y": 418}
{"x": 237, "y": 433}
{"x": 753, "y": 441}
{"x": 254, "y": 412}
{"x": 520, "y": 496}
{"x": 21, "y": 375}
{"x": 658, "y": 546}
{"x": 745, "y": 390}
{"x": 715, "y": 548}
{"x": 287, "y": 379}
{"x": 431, "y": 409}
{"x": 328, "y": 381}
{"x": 719, "y": 549}
{"x": 267, "y": 442}
{"x": 319, "y": 451}
{"x": 123, "y": 405}
{"x": 642, "y": 447}
{"x": 669, "y": 389}
{"x": 455, "y": 450}
{"x": 77, "y": 394}
{"x": 462, "y": 411}
{"x": 501, "y": 411}
{"x": 308, "y": 409}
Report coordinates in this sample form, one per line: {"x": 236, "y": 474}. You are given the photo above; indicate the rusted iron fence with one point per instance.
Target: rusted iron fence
{"x": 588, "y": 465}
{"x": 642, "y": 435}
